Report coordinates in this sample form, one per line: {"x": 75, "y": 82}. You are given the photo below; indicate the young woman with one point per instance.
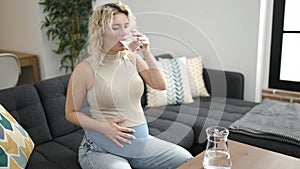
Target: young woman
{"x": 111, "y": 79}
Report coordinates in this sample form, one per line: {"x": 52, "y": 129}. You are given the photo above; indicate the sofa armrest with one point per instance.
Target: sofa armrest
{"x": 224, "y": 83}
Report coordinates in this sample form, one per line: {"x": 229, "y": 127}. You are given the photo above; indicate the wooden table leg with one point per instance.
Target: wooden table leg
{"x": 35, "y": 69}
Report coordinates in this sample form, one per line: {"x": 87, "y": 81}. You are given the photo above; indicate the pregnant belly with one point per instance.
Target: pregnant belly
{"x": 129, "y": 150}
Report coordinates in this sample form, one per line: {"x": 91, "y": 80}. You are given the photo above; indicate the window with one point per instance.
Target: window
{"x": 285, "y": 49}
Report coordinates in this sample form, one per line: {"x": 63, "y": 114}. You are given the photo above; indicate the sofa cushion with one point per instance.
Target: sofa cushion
{"x": 168, "y": 125}
{"x": 54, "y": 100}
{"x": 24, "y": 104}
{"x": 173, "y": 113}
{"x": 203, "y": 112}
{"x": 171, "y": 131}
{"x": 53, "y": 155}
{"x": 178, "y": 89}
{"x": 16, "y": 144}
{"x": 61, "y": 153}
{"x": 72, "y": 140}
{"x": 218, "y": 111}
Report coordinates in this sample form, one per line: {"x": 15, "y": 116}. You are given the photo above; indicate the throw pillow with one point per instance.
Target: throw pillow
{"x": 195, "y": 76}
{"x": 178, "y": 89}
{"x": 15, "y": 143}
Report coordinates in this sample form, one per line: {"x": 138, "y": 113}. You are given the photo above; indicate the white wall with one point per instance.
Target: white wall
{"x": 20, "y": 31}
{"x": 224, "y": 32}
{"x": 20, "y": 26}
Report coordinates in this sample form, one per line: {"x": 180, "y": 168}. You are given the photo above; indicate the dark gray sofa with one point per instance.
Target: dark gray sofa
{"x": 40, "y": 108}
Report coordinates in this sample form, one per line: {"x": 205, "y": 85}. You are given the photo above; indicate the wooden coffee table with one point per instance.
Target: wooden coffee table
{"x": 244, "y": 156}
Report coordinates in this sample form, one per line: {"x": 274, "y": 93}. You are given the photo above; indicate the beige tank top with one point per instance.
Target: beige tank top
{"x": 117, "y": 90}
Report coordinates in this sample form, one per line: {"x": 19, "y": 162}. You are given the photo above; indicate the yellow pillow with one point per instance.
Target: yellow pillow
{"x": 15, "y": 143}
{"x": 195, "y": 76}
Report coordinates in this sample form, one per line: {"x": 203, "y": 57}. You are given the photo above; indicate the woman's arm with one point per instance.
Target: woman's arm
{"x": 80, "y": 81}
{"x": 150, "y": 72}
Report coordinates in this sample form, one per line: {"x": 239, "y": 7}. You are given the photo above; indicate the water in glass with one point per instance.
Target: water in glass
{"x": 131, "y": 43}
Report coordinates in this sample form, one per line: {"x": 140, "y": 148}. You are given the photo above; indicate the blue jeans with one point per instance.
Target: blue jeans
{"x": 157, "y": 154}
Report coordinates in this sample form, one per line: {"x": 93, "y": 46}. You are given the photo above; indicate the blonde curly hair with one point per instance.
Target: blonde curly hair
{"x": 101, "y": 18}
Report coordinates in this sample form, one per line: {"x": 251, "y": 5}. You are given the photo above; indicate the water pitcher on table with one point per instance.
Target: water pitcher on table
{"x": 217, "y": 155}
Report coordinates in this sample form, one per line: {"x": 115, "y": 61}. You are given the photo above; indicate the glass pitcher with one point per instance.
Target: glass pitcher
{"x": 217, "y": 155}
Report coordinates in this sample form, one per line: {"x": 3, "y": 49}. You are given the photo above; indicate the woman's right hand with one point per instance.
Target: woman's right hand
{"x": 116, "y": 133}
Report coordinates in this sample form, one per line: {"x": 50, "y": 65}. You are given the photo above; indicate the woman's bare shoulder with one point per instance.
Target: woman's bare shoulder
{"x": 83, "y": 68}
{"x": 83, "y": 72}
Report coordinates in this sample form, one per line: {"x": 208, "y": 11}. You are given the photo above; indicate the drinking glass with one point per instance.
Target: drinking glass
{"x": 217, "y": 154}
{"x": 131, "y": 42}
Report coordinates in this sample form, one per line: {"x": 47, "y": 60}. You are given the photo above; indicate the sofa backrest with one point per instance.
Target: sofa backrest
{"x": 40, "y": 108}
{"x": 53, "y": 97}
{"x": 224, "y": 83}
{"x": 24, "y": 104}
{"x": 219, "y": 83}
